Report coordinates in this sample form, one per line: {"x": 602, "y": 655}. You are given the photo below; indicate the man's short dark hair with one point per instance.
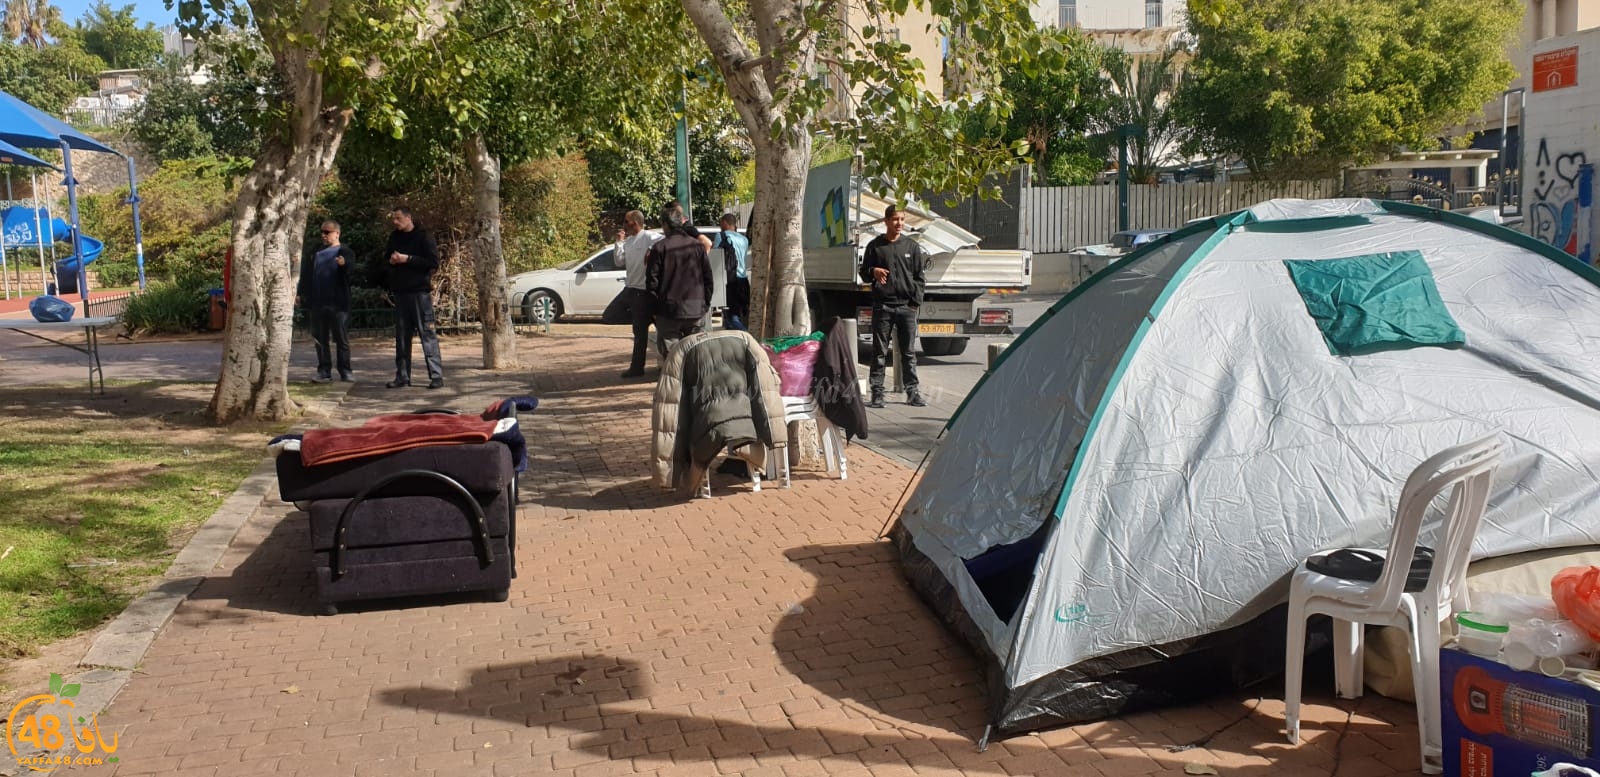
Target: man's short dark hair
{"x": 331, "y": 224}
{"x": 731, "y": 218}
{"x": 889, "y": 212}
{"x": 400, "y": 210}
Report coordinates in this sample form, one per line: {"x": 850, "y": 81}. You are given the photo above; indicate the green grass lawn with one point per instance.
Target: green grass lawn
{"x": 97, "y": 495}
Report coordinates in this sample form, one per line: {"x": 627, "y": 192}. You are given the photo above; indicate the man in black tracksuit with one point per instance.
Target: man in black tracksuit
{"x": 893, "y": 265}
{"x": 412, "y": 256}
{"x": 678, "y": 276}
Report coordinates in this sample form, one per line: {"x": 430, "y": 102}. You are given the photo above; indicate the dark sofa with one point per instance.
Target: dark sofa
{"x": 430, "y": 520}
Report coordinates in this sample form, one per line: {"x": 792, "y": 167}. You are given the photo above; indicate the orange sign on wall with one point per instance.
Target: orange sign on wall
{"x": 1555, "y": 69}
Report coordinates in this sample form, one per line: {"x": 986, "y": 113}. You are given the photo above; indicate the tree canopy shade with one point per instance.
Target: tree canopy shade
{"x": 1303, "y": 87}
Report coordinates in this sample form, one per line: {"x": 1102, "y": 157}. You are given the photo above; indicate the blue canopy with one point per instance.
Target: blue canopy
{"x": 11, "y": 155}
{"x": 24, "y": 125}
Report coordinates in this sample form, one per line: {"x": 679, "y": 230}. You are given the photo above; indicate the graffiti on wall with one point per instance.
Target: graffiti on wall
{"x": 1561, "y": 200}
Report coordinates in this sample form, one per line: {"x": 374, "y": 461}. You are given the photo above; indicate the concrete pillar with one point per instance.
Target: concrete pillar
{"x": 1547, "y": 19}
{"x": 995, "y": 349}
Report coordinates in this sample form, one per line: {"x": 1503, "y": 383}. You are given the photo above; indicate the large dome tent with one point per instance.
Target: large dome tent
{"x": 1117, "y": 504}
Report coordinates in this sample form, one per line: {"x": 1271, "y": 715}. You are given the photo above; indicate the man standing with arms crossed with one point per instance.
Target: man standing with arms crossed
{"x": 412, "y": 256}
{"x": 632, "y": 243}
{"x": 324, "y": 292}
{"x": 893, "y": 264}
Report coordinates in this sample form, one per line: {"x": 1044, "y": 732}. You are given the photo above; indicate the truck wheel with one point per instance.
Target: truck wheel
{"x": 943, "y": 346}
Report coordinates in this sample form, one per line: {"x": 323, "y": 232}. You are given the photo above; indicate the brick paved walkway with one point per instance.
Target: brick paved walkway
{"x": 754, "y": 633}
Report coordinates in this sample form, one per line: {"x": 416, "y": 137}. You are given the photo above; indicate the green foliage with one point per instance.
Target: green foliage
{"x": 919, "y": 139}
{"x": 180, "y": 119}
{"x": 172, "y": 307}
{"x": 1141, "y": 98}
{"x": 114, "y": 36}
{"x": 50, "y": 76}
{"x": 643, "y": 175}
{"x": 185, "y": 208}
{"x": 547, "y": 212}
{"x": 1055, "y": 109}
{"x": 1302, "y": 87}
{"x": 122, "y": 273}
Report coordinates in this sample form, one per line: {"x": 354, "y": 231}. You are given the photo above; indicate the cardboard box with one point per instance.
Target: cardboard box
{"x": 1499, "y": 722}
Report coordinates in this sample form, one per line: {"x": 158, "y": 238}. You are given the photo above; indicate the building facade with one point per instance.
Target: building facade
{"x": 1109, "y": 14}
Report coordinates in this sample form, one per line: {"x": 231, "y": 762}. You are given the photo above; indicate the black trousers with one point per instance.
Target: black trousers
{"x": 633, "y": 306}
{"x": 739, "y": 301}
{"x": 331, "y": 324}
{"x": 413, "y": 318}
{"x": 901, "y": 322}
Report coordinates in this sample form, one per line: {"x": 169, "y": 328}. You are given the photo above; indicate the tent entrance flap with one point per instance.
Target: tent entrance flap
{"x": 1005, "y": 573}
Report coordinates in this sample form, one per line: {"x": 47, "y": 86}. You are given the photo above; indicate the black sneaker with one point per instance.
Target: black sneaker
{"x": 322, "y": 379}
{"x": 876, "y": 402}
{"x": 916, "y": 400}
{"x": 397, "y": 383}
{"x": 344, "y": 377}
{"x": 436, "y": 383}
{"x": 631, "y": 374}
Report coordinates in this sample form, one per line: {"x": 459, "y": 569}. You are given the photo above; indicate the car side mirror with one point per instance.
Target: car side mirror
{"x": 583, "y": 270}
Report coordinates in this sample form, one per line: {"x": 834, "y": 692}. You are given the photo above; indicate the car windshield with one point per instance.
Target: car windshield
{"x": 571, "y": 265}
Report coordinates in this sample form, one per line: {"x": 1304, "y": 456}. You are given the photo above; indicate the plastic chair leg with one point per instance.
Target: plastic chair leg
{"x": 1348, "y": 662}
{"x": 1425, "y": 685}
{"x": 1294, "y": 665}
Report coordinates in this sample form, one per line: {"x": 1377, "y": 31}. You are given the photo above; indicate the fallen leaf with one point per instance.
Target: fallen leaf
{"x": 292, "y": 689}
{"x": 1198, "y": 768}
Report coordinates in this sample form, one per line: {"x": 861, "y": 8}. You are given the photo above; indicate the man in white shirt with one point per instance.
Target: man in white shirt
{"x": 634, "y": 301}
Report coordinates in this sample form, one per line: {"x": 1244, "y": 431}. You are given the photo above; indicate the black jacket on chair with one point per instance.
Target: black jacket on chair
{"x": 834, "y": 382}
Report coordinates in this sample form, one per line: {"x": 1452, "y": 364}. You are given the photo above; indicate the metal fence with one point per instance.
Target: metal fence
{"x": 1059, "y": 218}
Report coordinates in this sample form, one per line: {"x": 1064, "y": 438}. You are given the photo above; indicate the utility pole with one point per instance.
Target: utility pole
{"x": 681, "y": 146}
{"x": 1123, "y": 133}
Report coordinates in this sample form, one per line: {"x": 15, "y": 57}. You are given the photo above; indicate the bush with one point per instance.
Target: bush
{"x": 169, "y": 308}
{"x": 547, "y": 210}
{"x": 185, "y": 208}
{"x": 113, "y": 274}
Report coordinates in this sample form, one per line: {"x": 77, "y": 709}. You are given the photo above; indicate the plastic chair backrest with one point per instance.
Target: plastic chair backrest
{"x": 1467, "y": 472}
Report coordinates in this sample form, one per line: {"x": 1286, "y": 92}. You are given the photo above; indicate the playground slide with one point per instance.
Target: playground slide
{"x": 17, "y": 230}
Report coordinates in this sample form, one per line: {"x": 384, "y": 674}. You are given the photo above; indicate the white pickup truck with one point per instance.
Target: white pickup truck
{"x": 840, "y": 219}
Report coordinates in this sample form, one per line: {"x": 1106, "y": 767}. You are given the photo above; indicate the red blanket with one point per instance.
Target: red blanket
{"x": 390, "y": 433}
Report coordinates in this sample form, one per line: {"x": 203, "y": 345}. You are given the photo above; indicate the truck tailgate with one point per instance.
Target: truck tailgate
{"x": 980, "y": 269}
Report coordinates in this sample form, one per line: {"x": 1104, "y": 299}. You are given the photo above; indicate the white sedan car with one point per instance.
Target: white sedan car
{"x": 582, "y": 287}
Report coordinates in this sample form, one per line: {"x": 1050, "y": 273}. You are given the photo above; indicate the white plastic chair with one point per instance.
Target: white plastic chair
{"x": 831, "y": 437}
{"x": 1466, "y": 473}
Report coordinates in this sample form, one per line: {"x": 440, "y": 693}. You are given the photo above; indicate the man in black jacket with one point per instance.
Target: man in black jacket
{"x": 678, "y": 276}
{"x": 412, "y": 256}
{"x": 893, "y": 264}
{"x": 324, "y": 293}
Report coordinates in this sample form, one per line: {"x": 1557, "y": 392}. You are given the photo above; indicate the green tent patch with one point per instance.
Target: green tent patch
{"x": 1374, "y": 302}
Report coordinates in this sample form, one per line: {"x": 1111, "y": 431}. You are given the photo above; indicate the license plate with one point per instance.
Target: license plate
{"x": 936, "y": 329}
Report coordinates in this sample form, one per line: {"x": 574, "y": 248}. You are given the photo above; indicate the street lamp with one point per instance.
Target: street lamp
{"x": 1124, "y": 132}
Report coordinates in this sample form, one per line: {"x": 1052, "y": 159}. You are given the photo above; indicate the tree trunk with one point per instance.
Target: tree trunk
{"x": 788, "y": 48}
{"x": 778, "y": 304}
{"x": 488, "y": 261}
{"x": 269, "y": 220}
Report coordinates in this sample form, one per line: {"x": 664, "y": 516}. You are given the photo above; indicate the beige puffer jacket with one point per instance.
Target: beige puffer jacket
{"x": 717, "y": 390}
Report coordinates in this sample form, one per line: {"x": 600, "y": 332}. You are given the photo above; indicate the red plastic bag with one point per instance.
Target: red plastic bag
{"x": 1577, "y": 594}
{"x": 794, "y": 367}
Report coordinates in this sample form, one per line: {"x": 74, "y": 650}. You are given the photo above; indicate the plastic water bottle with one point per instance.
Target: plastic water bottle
{"x": 1530, "y": 641}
